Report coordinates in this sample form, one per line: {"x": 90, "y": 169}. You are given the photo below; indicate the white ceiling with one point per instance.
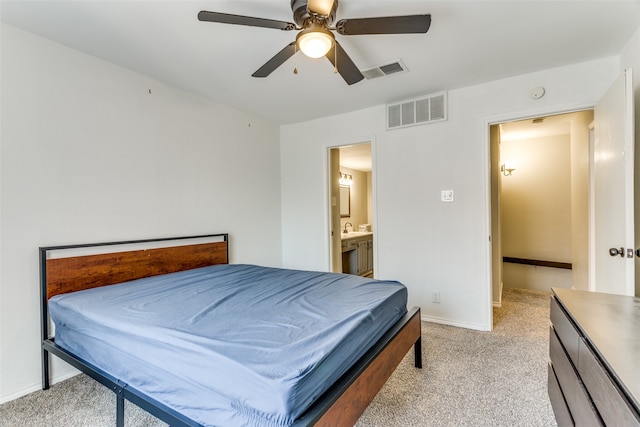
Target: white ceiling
{"x": 469, "y": 42}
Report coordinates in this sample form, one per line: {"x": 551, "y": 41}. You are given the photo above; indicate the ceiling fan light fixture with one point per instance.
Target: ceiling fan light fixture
{"x": 315, "y": 41}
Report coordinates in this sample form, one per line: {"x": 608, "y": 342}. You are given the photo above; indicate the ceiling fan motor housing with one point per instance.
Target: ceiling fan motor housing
{"x": 302, "y": 17}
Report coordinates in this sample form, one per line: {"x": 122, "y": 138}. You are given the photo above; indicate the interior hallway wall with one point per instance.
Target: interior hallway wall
{"x": 496, "y": 229}
{"x": 580, "y": 198}
{"x": 536, "y": 211}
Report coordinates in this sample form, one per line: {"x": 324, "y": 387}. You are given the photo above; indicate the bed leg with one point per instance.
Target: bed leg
{"x": 119, "y": 409}
{"x": 417, "y": 353}
{"x": 45, "y": 369}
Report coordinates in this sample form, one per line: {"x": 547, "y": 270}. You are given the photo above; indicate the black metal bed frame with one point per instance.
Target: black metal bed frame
{"x": 124, "y": 392}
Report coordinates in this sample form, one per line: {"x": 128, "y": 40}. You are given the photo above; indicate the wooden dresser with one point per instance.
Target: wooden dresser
{"x": 594, "y": 351}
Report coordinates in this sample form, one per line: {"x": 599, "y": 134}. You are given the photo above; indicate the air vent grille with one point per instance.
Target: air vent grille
{"x": 372, "y": 73}
{"x": 392, "y": 68}
{"x": 428, "y": 109}
{"x": 384, "y": 70}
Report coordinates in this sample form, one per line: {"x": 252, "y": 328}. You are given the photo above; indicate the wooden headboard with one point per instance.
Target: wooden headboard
{"x": 75, "y": 273}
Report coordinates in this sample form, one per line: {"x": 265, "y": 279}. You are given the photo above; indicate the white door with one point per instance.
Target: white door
{"x": 613, "y": 164}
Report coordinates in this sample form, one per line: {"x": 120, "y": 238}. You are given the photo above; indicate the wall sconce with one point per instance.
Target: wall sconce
{"x": 507, "y": 169}
{"x": 345, "y": 179}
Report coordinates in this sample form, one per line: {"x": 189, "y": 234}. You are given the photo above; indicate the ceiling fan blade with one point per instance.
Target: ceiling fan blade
{"x": 276, "y": 61}
{"x": 385, "y": 25}
{"x": 225, "y": 18}
{"x": 347, "y": 69}
{"x": 320, "y": 7}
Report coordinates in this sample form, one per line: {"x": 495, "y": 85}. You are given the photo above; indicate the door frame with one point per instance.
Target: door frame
{"x": 371, "y": 141}
{"x": 496, "y": 120}
{"x": 592, "y": 211}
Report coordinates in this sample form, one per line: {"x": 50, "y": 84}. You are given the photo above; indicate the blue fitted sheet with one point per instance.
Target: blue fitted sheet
{"x": 230, "y": 344}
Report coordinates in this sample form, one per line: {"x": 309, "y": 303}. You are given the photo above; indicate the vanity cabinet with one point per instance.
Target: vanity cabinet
{"x": 594, "y": 346}
{"x": 357, "y": 255}
{"x": 365, "y": 256}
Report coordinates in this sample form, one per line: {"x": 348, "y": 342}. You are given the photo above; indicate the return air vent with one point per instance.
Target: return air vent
{"x": 428, "y": 109}
{"x": 385, "y": 70}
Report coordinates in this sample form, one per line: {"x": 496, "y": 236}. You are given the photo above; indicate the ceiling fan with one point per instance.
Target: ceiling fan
{"x": 313, "y": 18}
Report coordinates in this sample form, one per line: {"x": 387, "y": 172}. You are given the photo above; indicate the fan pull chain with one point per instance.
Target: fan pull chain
{"x": 335, "y": 59}
{"x": 295, "y": 60}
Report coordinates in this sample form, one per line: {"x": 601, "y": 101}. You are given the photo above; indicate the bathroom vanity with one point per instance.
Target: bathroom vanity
{"x": 357, "y": 253}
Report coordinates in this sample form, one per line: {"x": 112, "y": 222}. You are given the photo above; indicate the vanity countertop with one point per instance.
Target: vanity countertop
{"x": 355, "y": 234}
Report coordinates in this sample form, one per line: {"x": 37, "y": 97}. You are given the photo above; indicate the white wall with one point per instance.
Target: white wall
{"x": 88, "y": 154}
{"x": 427, "y": 244}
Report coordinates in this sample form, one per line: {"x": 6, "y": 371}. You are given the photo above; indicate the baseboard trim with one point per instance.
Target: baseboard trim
{"x": 498, "y": 304}
{"x": 36, "y": 387}
{"x": 448, "y": 322}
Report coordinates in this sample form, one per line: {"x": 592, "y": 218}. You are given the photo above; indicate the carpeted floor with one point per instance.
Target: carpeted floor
{"x": 473, "y": 378}
{"x": 469, "y": 378}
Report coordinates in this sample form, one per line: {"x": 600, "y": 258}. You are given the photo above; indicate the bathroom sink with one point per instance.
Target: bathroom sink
{"x": 355, "y": 234}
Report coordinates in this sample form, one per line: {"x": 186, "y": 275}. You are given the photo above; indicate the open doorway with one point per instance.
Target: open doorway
{"x": 540, "y": 203}
{"x": 608, "y": 262}
{"x": 351, "y": 207}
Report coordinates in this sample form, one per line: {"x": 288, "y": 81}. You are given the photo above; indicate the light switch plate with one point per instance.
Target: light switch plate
{"x": 446, "y": 195}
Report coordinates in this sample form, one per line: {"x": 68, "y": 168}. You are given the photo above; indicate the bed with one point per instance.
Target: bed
{"x": 197, "y": 341}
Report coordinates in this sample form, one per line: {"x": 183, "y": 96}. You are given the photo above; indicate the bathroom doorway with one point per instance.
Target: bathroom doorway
{"x": 351, "y": 208}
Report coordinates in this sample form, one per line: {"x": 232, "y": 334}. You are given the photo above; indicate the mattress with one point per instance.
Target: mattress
{"x": 230, "y": 344}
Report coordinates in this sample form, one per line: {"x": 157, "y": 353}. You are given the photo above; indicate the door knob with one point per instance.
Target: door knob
{"x": 616, "y": 251}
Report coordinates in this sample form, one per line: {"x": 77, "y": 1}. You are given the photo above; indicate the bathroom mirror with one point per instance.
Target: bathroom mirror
{"x": 345, "y": 201}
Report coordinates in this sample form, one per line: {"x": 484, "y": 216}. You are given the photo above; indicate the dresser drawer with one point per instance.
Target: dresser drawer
{"x": 609, "y": 401}
{"x": 558, "y": 403}
{"x": 565, "y": 330}
{"x": 578, "y": 401}
{"x": 585, "y": 414}
{"x": 564, "y": 370}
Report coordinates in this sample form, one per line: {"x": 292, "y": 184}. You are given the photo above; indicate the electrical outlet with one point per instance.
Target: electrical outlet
{"x": 446, "y": 195}
{"x": 436, "y": 297}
